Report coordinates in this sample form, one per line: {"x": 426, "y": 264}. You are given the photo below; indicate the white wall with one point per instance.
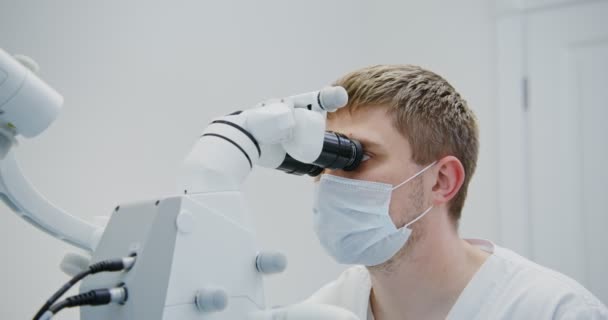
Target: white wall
{"x": 141, "y": 79}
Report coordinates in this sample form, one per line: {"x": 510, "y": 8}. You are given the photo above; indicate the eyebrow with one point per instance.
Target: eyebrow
{"x": 369, "y": 143}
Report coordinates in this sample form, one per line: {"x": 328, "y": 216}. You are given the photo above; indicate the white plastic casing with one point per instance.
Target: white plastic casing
{"x": 27, "y": 104}
{"x": 306, "y": 141}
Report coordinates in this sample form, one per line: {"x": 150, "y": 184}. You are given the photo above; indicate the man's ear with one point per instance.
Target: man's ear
{"x": 449, "y": 179}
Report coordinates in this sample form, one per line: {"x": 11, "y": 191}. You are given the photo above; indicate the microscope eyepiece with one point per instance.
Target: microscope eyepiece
{"x": 339, "y": 152}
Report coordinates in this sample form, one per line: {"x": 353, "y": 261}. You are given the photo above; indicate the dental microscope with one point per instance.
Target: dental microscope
{"x": 191, "y": 255}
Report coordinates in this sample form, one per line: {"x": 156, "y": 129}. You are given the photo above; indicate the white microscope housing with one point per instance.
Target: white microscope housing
{"x": 27, "y": 104}
{"x": 196, "y": 251}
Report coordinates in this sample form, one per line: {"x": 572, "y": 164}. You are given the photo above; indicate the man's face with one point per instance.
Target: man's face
{"x": 389, "y": 158}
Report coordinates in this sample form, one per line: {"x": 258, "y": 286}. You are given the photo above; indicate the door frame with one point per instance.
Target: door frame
{"x": 512, "y": 92}
{"x": 512, "y": 130}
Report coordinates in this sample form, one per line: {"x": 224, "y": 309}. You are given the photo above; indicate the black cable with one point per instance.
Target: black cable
{"x": 102, "y": 266}
{"x": 91, "y": 298}
{"x": 61, "y": 291}
{"x": 59, "y": 306}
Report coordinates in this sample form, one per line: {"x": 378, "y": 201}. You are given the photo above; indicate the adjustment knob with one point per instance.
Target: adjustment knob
{"x": 270, "y": 262}
{"x": 72, "y": 264}
{"x": 211, "y": 299}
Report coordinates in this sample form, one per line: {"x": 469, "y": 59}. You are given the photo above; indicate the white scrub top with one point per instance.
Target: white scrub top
{"x": 507, "y": 286}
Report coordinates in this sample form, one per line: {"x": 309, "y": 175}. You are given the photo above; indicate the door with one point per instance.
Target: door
{"x": 567, "y": 175}
{"x": 564, "y": 144}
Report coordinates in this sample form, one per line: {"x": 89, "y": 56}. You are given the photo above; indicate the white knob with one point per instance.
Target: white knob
{"x": 271, "y": 262}
{"x": 211, "y": 299}
{"x": 73, "y": 263}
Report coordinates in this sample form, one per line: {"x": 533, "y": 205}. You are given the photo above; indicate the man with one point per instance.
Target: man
{"x": 396, "y": 216}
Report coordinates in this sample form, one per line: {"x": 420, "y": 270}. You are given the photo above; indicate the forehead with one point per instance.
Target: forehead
{"x": 373, "y": 123}
{"x": 387, "y": 149}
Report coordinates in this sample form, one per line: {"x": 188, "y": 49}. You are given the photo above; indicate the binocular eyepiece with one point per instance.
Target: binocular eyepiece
{"x": 339, "y": 152}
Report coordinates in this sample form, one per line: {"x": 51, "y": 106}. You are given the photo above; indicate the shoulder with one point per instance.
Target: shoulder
{"x": 540, "y": 290}
{"x": 350, "y": 290}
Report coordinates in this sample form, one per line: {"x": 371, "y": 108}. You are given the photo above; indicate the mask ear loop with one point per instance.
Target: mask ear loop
{"x": 414, "y": 176}
{"x": 418, "y": 218}
{"x": 408, "y": 180}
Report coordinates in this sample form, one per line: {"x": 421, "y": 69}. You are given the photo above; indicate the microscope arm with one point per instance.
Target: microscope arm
{"x": 27, "y": 107}
{"x": 230, "y": 146}
{"x": 19, "y": 195}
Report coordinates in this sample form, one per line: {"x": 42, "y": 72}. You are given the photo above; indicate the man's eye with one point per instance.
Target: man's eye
{"x": 365, "y": 157}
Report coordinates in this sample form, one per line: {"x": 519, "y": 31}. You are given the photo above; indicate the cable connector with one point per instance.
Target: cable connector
{"x": 111, "y": 265}
{"x": 119, "y": 264}
{"x": 98, "y": 297}
{"x": 95, "y": 297}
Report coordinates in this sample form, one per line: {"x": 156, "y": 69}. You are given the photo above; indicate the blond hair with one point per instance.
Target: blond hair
{"x": 426, "y": 109}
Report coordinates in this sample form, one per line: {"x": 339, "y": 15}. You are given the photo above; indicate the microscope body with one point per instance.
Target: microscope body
{"x": 186, "y": 245}
{"x": 201, "y": 244}
{"x": 196, "y": 251}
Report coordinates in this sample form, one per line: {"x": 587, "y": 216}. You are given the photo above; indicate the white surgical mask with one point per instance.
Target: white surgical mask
{"x": 352, "y": 222}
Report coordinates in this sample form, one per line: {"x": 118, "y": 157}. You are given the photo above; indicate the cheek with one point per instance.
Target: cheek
{"x": 398, "y": 207}
{"x": 407, "y": 203}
